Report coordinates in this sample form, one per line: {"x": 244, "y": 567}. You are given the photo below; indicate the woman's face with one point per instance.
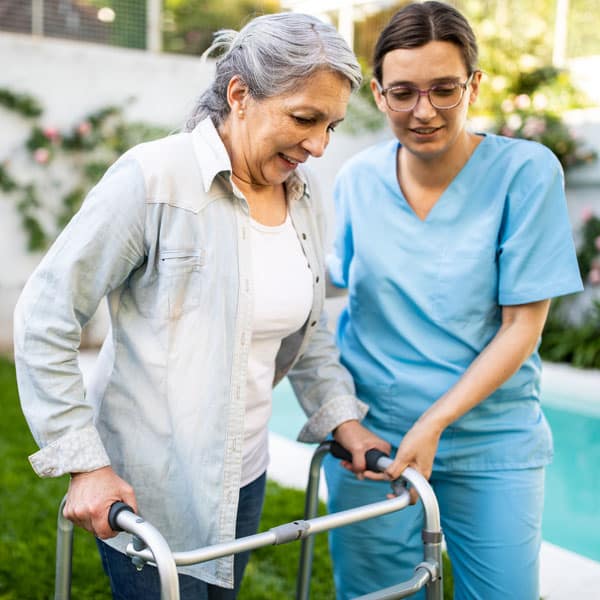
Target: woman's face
{"x": 270, "y": 137}
{"x": 425, "y": 131}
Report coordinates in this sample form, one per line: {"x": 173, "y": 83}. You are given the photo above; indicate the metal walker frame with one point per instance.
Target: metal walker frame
{"x": 149, "y": 546}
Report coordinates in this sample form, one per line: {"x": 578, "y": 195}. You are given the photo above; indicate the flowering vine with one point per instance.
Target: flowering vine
{"x": 85, "y": 150}
{"x": 529, "y": 112}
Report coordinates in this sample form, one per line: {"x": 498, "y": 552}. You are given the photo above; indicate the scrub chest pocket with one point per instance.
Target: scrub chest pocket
{"x": 466, "y": 286}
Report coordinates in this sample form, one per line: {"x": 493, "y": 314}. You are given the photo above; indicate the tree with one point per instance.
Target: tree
{"x": 189, "y": 24}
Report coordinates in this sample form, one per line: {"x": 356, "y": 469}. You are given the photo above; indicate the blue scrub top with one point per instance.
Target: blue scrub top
{"x": 425, "y": 296}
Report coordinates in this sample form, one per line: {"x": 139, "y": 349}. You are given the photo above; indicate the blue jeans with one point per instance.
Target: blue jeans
{"x": 491, "y": 522}
{"x": 127, "y": 583}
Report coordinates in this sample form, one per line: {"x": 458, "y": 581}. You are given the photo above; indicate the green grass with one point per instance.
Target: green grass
{"x": 28, "y": 509}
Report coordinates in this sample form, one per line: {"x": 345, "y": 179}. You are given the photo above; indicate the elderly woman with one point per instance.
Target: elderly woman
{"x": 208, "y": 246}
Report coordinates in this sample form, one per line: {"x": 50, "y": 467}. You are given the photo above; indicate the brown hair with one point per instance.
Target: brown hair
{"x": 418, "y": 24}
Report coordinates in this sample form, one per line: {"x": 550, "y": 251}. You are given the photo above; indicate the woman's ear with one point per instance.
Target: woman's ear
{"x": 474, "y": 87}
{"x": 379, "y": 99}
{"x": 237, "y": 94}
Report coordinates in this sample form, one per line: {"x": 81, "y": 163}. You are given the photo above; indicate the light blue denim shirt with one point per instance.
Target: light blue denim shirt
{"x": 164, "y": 236}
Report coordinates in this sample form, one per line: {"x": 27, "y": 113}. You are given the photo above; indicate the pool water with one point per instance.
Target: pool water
{"x": 572, "y": 506}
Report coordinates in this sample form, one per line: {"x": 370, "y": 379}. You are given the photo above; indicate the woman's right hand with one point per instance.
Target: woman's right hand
{"x": 90, "y": 497}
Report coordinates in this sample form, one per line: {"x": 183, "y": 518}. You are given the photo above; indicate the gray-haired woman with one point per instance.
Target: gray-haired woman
{"x": 207, "y": 245}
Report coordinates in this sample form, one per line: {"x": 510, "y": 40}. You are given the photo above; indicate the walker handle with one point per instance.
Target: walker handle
{"x": 372, "y": 456}
{"x": 113, "y": 513}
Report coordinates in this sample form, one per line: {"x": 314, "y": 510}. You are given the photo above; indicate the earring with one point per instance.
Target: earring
{"x": 241, "y": 113}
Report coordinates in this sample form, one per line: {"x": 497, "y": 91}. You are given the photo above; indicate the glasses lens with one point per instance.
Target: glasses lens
{"x": 445, "y": 96}
{"x": 402, "y": 97}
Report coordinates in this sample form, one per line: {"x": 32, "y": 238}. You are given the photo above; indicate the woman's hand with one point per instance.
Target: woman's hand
{"x": 417, "y": 449}
{"x": 357, "y": 440}
{"x": 90, "y": 497}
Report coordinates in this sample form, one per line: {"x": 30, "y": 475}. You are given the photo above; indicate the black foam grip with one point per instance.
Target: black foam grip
{"x": 340, "y": 452}
{"x": 371, "y": 456}
{"x": 114, "y": 510}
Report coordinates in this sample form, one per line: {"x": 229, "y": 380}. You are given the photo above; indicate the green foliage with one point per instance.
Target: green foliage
{"x": 522, "y": 95}
{"x": 531, "y": 111}
{"x": 87, "y": 148}
{"x": 577, "y": 343}
{"x": 583, "y": 39}
{"x": 588, "y": 254}
{"x": 24, "y": 104}
{"x": 189, "y": 24}
{"x": 7, "y": 183}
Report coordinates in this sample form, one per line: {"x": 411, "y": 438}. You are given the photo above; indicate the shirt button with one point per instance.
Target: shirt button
{"x": 303, "y": 236}
{"x": 317, "y": 279}
{"x": 313, "y": 323}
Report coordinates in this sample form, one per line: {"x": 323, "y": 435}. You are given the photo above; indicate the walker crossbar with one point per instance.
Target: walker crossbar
{"x": 281, "y": 534}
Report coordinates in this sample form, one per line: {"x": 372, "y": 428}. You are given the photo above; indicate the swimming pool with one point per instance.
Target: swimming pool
{"x": 572, "y": 509}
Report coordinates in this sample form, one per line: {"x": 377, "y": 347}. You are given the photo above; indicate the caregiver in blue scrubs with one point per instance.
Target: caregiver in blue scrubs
{"x": 451, "y": 244}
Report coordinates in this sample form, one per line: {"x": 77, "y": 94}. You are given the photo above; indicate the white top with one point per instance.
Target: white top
{"x": 283, "y": 295}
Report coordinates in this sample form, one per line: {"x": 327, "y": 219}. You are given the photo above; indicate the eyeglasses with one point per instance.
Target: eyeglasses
{"x": 443, "y": 96}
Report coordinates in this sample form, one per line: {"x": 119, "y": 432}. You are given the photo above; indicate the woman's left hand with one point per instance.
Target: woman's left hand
{"x": 417, "y": 449}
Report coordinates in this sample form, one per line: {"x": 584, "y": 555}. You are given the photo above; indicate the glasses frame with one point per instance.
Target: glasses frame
{"x": 463, "y": 87}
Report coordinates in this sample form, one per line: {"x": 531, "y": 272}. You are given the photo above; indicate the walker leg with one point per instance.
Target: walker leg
{"x": 311, "y": 508}
{"x": 64, "y": 555}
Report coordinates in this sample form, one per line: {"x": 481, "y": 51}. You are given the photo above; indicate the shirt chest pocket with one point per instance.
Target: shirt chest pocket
{"x": 181, "y": 275}
{"x": 174, "y": 285}
{"x": 465, "y": 286}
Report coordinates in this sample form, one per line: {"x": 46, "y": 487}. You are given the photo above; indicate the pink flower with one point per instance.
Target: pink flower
{"x": 507, "y": 131}
{"x": 84, "y": 128}
{"x": 51, "y": 133}
{"x": 41, "y": 155}
{"x": 594, "y": 276}
{"x": 534, "y": 126}
{"x": 522, "y": 101}
{"x": 586, "y": 214}
{"x": 597, "y": 243}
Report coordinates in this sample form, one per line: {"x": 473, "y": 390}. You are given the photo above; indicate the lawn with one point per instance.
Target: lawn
{"x": 28, "y": 507}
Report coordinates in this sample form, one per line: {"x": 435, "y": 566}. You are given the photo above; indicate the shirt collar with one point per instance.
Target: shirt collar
{"x": 211, "y": 153}
{"x": 213, "y": 159}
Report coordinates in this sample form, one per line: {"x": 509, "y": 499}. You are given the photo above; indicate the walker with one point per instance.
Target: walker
{"x": 149, "y": 546}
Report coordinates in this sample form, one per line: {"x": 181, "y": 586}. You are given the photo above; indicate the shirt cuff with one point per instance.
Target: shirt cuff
{"x": 76, "y": 452}
{"x": 329, "y": 416}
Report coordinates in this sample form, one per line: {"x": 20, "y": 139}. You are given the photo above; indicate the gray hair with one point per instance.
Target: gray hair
{"x": 273, "y": 55}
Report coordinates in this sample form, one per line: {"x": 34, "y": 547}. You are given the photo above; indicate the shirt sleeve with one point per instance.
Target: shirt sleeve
{"x": 338, "y": 261}
{"x": 323, "y": 386}
{"x": 536, "y": 254}
{"x": 93, "y": 255}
